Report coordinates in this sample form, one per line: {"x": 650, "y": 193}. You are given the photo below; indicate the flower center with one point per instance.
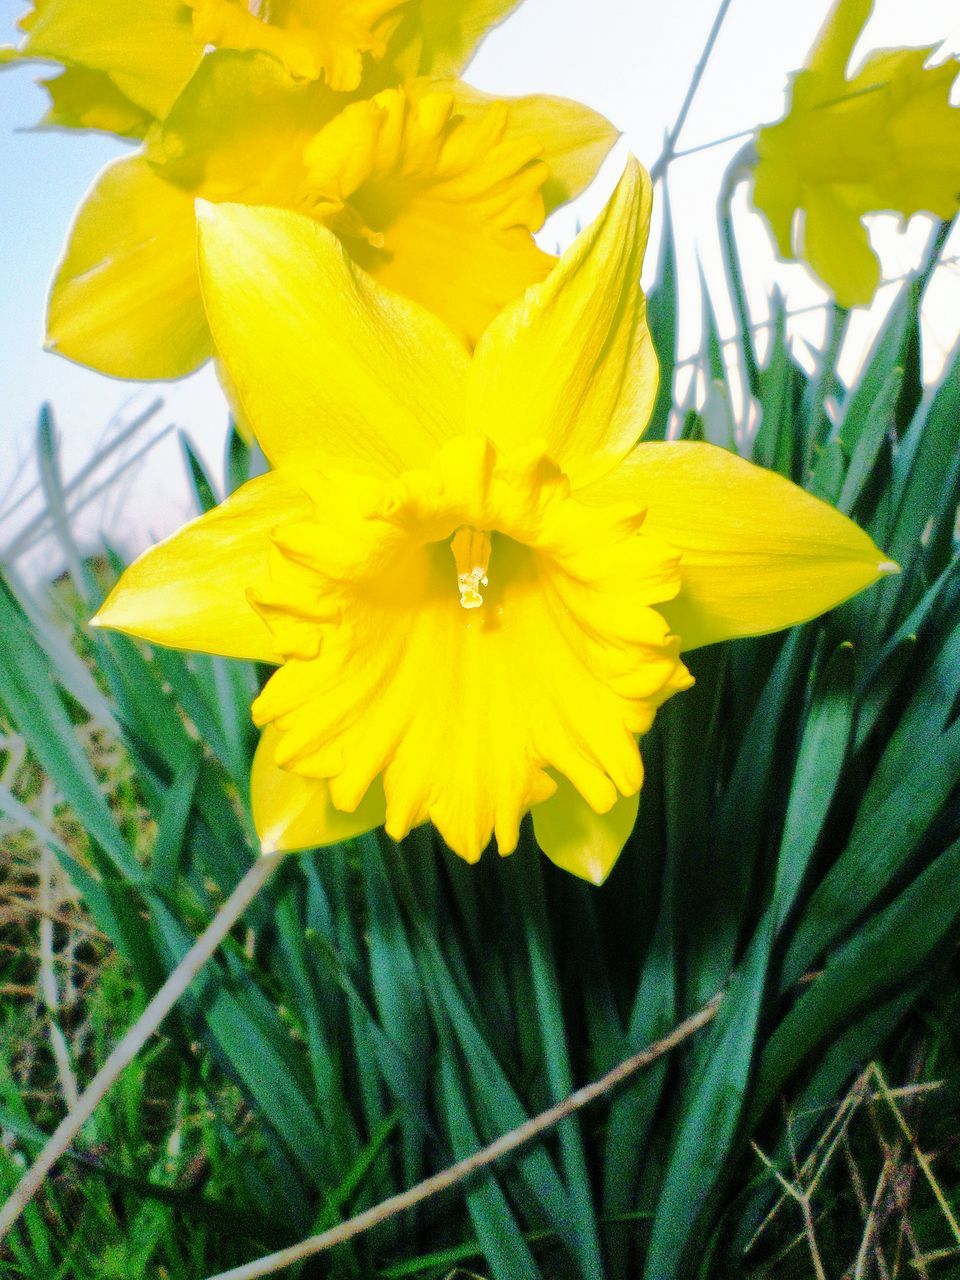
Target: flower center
{"x": 471, "y": 552}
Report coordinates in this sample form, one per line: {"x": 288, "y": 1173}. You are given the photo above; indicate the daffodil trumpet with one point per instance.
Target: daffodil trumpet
{"x": 347, "y": 111}
{"x": 476, "y": 585}
{"x": 886, "y": 139}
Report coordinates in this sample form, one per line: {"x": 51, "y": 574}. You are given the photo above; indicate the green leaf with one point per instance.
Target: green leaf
{"x": 855, "y": 1045}
{"x": 29, "y": 690}
{"x": 713, "y": 1102}
{"x": 816, "y": 777}
{"x": 892, "y": 823}
{"x": 500, "y": 1237}
{"x": 495, "y": 1098}
{"x": 203, "y": 487}
{"x": 661, "y": 317}
{"x": 864, "y": 440}
{"x": 882, "y": 956}
{"x": 882, "y": 376}
{"x": 933, "y": 437}
{"x": 548, "y": 1004}
{"x": 780, "y": 391}
{"x": 239, "y": 460}
{"x": 169, "y": 854}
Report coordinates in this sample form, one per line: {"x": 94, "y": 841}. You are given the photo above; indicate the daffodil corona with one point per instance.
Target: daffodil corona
{"x": 475, "y": 584}
{"x": 339, "y": 109}
{"x": 886, "y": 139}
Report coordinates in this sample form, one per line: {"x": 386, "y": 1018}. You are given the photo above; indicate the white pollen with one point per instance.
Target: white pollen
{"x": 470, "y": 584}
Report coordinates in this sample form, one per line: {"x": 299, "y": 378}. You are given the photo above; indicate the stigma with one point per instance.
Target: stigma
{"x": 471, "y": 552}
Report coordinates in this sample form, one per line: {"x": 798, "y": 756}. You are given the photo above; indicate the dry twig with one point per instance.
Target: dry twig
{"x": 463, "y": 1169}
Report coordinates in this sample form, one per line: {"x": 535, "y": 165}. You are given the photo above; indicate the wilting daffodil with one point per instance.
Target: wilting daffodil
{"x": 885, "y": 140}
{"x": 476, "y": 585}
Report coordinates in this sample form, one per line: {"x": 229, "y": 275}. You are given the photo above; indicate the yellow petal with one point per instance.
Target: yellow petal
{"x": 191, "y": 591}
{"x": 571, "y": 139}
{"x": 147, "y": 49}
{"x": 837, "y": 246}
{"x": 439, "y": 207}
{"x": 329, "y": 367}
{"x": 757, "y": 552}
{"x": 834, "y": 45}
{"x": 238, "y": 130}
{"x": 291, "y": 812}
{"x": 311, "y": 39}
{"x": 919, "y": 130}
{"x": 85, "y": 99}
{"x": 579, "y": 840}
{"x": 572, "y": 362}
{"x": 887, "y": 138}
{"x": 126, "y": 297}
{"x": 438, "y": 37}
{"x": 236, "y": 408}
{"x": 776, "y": 193}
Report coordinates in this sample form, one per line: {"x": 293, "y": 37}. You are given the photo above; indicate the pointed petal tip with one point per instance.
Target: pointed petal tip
{"x": 888, "y": 567}
{"x": 637, "y": 171}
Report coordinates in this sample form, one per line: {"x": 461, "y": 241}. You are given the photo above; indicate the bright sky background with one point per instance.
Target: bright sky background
{"x": 631, "y": 59}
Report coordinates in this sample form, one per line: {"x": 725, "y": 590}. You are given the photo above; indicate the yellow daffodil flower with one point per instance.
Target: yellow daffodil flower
{"x": 126, "y": 61}
{"x": 885, "y": 140}
{"x": 476, "y": 585}
{"x": 434, "y": 188}
{"x": 342, "y": 109}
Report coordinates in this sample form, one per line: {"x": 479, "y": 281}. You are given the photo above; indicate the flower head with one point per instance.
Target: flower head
{"x": 884, "y": 139}
{"x": 475, "y": 585}
{"x": 434, "y": 188}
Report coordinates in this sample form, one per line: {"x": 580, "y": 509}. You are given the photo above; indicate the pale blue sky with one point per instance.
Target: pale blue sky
{"x": 631, "y": 59}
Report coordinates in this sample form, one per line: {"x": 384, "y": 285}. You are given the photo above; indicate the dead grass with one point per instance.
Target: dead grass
{"x": 866, "y": 1198}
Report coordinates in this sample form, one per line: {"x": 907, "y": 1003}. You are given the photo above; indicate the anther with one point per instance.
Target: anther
{"x": 471, "y": 551}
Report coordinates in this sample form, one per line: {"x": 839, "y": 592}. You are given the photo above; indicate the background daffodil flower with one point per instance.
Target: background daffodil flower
{"x": 474, "y": 582}
{"x": 432, "y": 186}
{"x": 885, "y": 140}
{"x": 126, "y": 61}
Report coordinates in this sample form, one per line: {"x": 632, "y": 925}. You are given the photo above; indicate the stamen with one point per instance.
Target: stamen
{"x": 471, "y": 551}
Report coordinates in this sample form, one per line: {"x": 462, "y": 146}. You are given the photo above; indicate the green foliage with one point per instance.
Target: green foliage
{"x": 385, "y": 1010}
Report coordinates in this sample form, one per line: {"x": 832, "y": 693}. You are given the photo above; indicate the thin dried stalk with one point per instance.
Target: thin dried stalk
{"x": 463, "y": 1169}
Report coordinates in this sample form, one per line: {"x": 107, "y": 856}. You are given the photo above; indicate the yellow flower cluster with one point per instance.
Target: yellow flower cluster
{"x": 474, "y": 582}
